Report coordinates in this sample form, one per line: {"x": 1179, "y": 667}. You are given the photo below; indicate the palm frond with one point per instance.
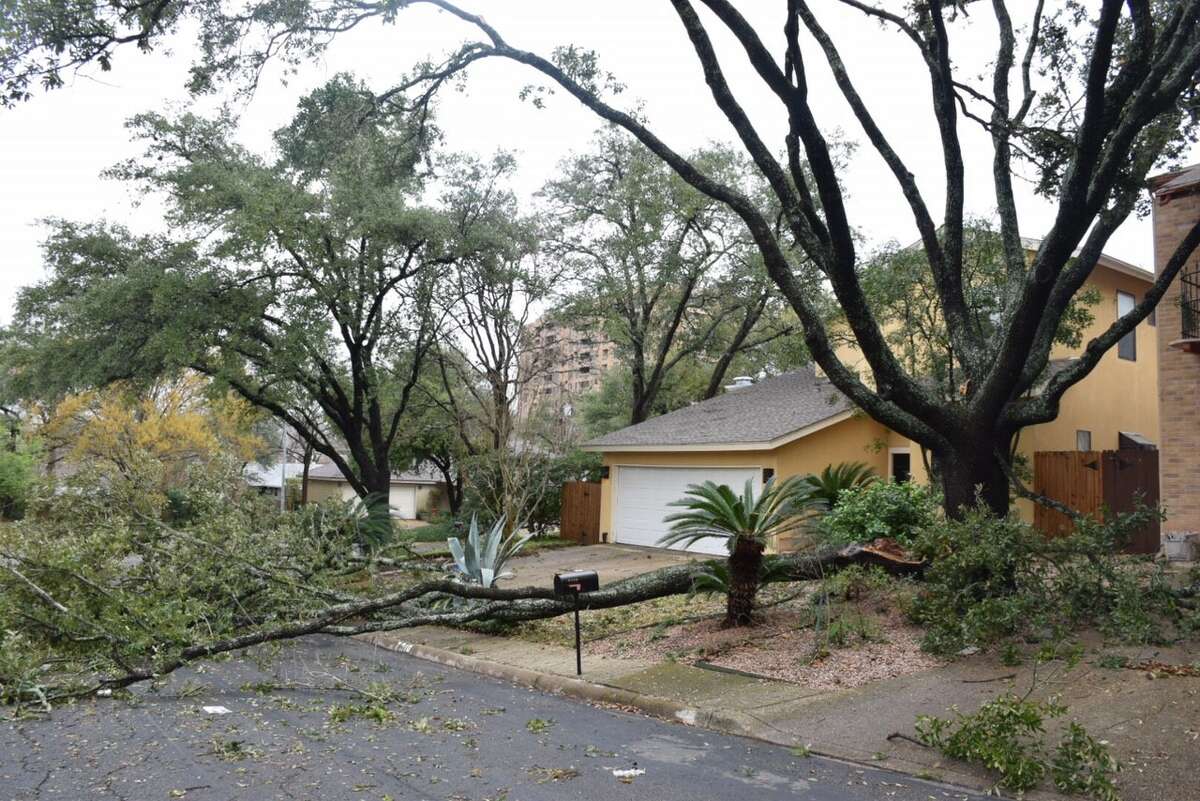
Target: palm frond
{"x": 831, "y": 482}
{"x": 713, "y": 510}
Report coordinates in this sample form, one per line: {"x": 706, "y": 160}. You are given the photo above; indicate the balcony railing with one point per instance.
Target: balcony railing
{"x": 1189, "y": 303}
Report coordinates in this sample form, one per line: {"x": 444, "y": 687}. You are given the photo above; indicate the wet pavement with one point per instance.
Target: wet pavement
{"x": 327, "y": 720}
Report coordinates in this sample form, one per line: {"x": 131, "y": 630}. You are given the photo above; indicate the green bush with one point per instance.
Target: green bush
{"x": 880, "y": 509}
{"x": 994, "y": 578}
{"x": 16, "y": 479}
{"x": 1007, "y": 736}
{"x": 540, "y": 477}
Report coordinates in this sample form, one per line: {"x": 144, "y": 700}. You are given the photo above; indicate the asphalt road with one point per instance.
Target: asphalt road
{"x": 332, "y": 720}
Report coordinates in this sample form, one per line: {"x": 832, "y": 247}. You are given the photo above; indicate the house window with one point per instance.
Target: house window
{"x": 1083, "y": 440}
{"x": 900, "y": 465}
{"x": 1127, "y": 347}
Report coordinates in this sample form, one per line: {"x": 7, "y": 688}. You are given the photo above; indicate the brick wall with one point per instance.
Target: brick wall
{"x": 1178, "y": 376}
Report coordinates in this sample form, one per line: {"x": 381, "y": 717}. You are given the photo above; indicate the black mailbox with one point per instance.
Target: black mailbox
{"x": 576, "y": 581}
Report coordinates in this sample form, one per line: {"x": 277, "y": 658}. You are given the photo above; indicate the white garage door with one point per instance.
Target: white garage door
{"x": 403, "y": 500}
{"x": 642, "y": 495}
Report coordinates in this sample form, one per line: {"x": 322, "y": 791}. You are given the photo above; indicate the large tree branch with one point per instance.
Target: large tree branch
{"x": 1044, "y": 407}
{"x": 395, "y": 610}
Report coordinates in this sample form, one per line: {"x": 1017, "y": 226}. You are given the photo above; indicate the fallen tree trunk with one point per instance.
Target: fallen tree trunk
{"x": 403, "y": 609}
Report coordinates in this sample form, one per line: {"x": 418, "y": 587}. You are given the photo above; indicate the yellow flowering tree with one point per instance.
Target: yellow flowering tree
{"x": 177, "y": 424}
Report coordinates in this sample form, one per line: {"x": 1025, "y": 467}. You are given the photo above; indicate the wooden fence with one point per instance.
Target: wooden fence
{"x": 1091, "y": 482}
{"x": 581, "y": 512}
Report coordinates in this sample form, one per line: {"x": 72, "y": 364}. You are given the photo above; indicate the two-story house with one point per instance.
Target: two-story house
{"x": 1176, "y": 212}
{"x": 799, "y": 423}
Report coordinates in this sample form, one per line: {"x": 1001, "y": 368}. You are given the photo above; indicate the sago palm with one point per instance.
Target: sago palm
{"x": 746, "y": 523}
{"x": 837, "y": 478}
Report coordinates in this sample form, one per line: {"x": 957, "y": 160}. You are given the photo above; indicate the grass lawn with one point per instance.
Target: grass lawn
{"x": 440, "y": 531}
{"x": 434, "y": 532}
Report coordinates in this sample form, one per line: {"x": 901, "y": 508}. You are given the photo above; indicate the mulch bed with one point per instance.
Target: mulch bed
{"x": 784, "y": 646}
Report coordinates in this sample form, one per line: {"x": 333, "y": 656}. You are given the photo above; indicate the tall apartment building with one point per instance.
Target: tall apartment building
{"x": 1176, "y": 211}
{"x": 561, "y": 363}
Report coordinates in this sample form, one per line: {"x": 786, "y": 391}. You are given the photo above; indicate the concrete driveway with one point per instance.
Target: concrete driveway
{"x": 612, "y": 562}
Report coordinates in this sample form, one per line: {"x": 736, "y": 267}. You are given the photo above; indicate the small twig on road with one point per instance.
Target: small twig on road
{"x": 899, "y": 736}
{"x": 1005, "y": 677}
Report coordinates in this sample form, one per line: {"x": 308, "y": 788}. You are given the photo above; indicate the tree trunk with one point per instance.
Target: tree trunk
{"x": 745, "y": 566}
{"x": 308, "y": 457}
{"x": 379, "y": 482}
{"x": 454, "y": 494}
{"x": 972, "y": 474}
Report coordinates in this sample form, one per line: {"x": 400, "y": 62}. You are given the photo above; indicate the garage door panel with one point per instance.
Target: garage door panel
{"x": 403, "y": 501}
{"x": 644, "y": 494}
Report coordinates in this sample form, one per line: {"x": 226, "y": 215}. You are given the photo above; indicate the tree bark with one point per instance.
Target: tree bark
{"x": 972, "y": 475}
{"x": 745, "y": 566}
{"x": 379, "y": 482}
{"x": 308, "y": 457}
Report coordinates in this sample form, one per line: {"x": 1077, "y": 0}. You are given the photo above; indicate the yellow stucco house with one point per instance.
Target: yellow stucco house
{"x": 799, "y": 423}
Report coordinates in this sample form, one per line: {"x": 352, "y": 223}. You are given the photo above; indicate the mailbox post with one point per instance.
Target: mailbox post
{"x": 574, "y": 583}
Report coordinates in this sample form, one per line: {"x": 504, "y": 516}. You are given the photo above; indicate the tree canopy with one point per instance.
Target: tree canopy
{"x": 669, "y": 272}
{"x": 1088, "y": 99}
{"x": 303, "y": 281}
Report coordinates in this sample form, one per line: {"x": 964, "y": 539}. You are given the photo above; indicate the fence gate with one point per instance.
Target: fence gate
{"x": 1092, "y": 481}
{"x": 581, "y": 512}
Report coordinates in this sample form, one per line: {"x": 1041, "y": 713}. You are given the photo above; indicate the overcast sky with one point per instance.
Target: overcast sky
{"x": 53, "y": 148}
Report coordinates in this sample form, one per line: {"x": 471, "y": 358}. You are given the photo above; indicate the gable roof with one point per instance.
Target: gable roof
{"x": 760, "y": 417}
{"x": 1176, "y": 183}
{"x": 423, "y": 474}
{"x": 1105, "y": 260}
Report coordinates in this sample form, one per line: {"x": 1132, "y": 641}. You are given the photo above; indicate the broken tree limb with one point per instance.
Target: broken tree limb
{"x": 404, "y": 609}
{"x": 1041, "y": 500}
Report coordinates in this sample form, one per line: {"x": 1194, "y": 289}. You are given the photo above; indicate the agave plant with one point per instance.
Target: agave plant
{"x": 481, "y": 560}
{"x": 837, "y": 478}
{"x": 747, "y": 524}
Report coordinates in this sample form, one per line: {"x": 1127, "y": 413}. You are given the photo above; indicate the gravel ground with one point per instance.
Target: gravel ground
{"x": 785, "y": 645}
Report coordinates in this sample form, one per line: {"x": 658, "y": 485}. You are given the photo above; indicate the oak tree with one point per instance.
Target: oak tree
{"x": 1089, "y": 97}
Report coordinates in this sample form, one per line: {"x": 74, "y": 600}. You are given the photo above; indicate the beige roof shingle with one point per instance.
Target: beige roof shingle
{"x": 754, "y": 416}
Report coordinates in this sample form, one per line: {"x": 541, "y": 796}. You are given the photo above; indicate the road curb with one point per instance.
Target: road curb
{"x": 722, "y": 721}
{"x": 560, "y": 685}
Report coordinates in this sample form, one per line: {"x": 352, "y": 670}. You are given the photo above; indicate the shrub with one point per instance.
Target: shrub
{"x": 16, "y": 479}
{"x": 529, "y": 487}
{"x": 992, "y": 578}
{"x": 1007, "y": 735}
{"x": 880, "y": 509}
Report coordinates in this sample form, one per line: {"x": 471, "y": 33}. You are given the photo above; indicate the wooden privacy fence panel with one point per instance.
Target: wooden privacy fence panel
{"x": 581, "y": 512}
{"x": 1130, "y": 476}
{"x": 1092, "y": 481}
{"x": 1070, "y": 477}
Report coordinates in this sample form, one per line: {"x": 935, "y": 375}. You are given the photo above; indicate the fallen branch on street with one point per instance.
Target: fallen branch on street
{"x": 442, "y": 601}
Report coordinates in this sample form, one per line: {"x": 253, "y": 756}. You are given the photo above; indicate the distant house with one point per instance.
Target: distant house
{"x": 799, "y": 423}
{"x": 269, "y": 480}
{"x": 413, "y": 493}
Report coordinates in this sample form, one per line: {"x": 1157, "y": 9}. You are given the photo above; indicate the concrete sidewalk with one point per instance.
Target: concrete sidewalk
{"x": 1153, "y": 725}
